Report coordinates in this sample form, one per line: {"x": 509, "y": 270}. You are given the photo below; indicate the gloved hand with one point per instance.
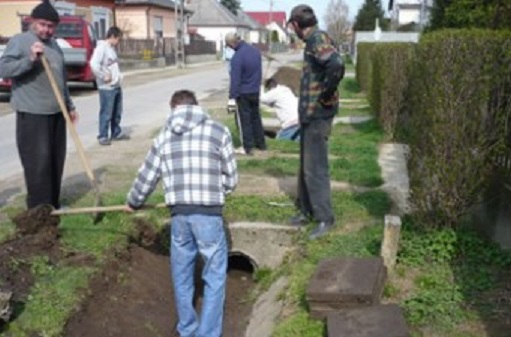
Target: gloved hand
{"x": 231, "y": 106}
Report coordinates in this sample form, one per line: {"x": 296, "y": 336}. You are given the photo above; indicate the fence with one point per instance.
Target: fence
{"x": 148, "y": 49}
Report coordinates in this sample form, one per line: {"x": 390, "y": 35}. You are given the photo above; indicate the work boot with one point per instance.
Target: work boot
{"x": 321, "y": 229}
{"x": 299, "y": 219}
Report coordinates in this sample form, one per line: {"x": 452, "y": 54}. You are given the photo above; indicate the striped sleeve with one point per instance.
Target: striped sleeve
{"x": 229, "y": 166}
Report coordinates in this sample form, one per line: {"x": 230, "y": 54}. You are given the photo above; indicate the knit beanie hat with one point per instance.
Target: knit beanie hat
{"x": 45, "y": 11}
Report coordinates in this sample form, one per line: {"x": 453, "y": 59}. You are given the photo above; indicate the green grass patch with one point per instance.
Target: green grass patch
{"x": 350, "y": 110}
{"x": 453, "y": 278}
{"x": 354, "y": 145}
{"x": 349, "y": 88}
{"x": 52, "y": 299}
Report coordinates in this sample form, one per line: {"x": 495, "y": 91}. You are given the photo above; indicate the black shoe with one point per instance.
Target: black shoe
{"x": 298, "y": 220}
{"x": 321, "y": 229}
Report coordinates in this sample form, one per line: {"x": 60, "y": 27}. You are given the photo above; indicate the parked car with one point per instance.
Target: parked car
{"x": 77, "y": 39}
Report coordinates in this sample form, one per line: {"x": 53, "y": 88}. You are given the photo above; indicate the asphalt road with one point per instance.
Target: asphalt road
{"x": 146, "y": 97}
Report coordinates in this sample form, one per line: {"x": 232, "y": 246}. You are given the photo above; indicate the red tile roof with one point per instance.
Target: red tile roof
{"x": 264, "y": 17}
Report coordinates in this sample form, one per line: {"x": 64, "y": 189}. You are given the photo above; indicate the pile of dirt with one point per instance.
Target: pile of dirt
{"x": 37, "y": 235}
{"x": 290, "y": 77}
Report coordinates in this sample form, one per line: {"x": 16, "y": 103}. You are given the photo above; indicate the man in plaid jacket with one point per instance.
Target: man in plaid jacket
{"x": 193, "y": 156}
{"x": 323, "y": 69}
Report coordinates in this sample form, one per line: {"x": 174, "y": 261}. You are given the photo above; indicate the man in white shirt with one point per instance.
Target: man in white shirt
{"x": 105, "y": 65}
{"x": 285, "y": 103}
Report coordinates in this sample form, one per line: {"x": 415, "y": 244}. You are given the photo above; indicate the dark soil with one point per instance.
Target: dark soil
{"x": 136, "y": 300}
{"x": 37, "y": 235}
{"x": 289, "y": 77}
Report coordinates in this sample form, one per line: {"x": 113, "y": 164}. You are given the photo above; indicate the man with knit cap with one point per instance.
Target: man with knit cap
{"x": 40, "y": 124}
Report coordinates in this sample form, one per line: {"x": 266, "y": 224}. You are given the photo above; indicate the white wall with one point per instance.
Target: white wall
{"x": 406, "y": 16}
{"x": 217, "y": 34}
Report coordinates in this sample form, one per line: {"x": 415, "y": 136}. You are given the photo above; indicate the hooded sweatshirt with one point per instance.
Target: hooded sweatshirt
{"x": 193, "y": 156}
{"x": 104, "y": 61}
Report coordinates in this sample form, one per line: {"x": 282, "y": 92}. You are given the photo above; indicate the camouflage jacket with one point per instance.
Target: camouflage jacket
{"x": 323, "y": 69}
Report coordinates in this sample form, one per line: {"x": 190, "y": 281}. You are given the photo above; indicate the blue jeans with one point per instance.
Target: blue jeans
{"x": 204, "y": 235}
{"x": 110, "y": 112}
{"x": 289, "y": 133}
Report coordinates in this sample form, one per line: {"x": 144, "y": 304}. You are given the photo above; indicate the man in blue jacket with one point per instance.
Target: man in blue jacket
{"x": 246, "y": 75}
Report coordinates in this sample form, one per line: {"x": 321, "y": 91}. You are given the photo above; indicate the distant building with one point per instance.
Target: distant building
{"x": 273, "y": 21}
{"x": 98, "y": 12}
{"x": 406, "y": 12}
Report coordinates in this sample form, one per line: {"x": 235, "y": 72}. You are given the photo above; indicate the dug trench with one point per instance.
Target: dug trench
{"x": 131, "y": 296}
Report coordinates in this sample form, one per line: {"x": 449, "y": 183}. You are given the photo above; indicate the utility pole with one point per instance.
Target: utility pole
{"x": 270, "y": 25}
{"x": 180, "y": 28}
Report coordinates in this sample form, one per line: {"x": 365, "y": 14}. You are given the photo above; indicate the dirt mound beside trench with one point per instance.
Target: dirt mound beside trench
{"x": 36, "y": 235}
{"x": 290, "y": 77}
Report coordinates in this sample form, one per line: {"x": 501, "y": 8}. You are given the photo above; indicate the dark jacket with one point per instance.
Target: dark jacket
{"x": 323, "y": 69}
{"x": 246, "y": 70}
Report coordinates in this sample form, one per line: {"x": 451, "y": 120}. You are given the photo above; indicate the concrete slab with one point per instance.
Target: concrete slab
{"x": 345, "y": 282}
{"x": 375, "y": 321}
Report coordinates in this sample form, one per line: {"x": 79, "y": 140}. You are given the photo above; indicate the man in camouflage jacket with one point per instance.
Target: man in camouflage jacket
{"x": 323, "y": 69}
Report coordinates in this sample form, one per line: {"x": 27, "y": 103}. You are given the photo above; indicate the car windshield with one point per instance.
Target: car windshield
{"x": 64, "y": 29}
{"x": 69, "y": 30}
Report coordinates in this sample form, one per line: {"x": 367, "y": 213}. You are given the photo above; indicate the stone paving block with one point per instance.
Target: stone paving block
{"x": 345, "y": 282}
{"x": 374, "y": 321}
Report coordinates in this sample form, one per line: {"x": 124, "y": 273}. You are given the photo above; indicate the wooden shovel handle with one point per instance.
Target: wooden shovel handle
{"x": 70, "y": 124}
{"x": 101, "y": 209}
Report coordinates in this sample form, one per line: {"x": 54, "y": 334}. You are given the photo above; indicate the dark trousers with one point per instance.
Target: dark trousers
{"x": 251, "y": 128}
{"x": 41, "y": 141}
{"x": 314, "y": 196}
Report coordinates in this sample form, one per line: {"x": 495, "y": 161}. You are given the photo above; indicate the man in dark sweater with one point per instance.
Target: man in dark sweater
{"x": 40, "y": 125}
{"x": 323, "y": 69}
{"x": 245, "y": 86}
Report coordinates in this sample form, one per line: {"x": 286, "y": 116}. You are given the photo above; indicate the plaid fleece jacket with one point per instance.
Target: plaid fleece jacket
{"x": 193, "y": 156}
{"x": 323, "y": 69}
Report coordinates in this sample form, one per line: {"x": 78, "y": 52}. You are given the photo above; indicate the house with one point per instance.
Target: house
{"x": 98, "y": 12}
{"x": 273, "y": 21}
{"x": 258, "y": 33}
{"x": 213, "y": 21}
{"x": 405, "y": 12}
{"x": 147, "y": 19}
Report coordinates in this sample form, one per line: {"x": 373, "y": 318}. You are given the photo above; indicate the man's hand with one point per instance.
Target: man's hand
{"x": 107, "y": 78}
{"x": 36, "y": 50}
{"x": 128, "y": 209}
{"x": 231, "y": 106}
{"x": 328, "y": 102}
{"x": 74, "y": 117}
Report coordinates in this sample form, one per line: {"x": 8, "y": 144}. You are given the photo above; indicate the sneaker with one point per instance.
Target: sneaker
{"x": 321, "y": 229}
{"x": 122, "y": 136}
{"x": 104, "y": 141}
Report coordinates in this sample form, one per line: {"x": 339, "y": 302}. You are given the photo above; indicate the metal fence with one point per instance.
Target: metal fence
{"x": 148, "y": 49}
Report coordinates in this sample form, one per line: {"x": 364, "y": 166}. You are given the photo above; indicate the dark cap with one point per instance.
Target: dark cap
{"x": 303, "y": 15}
{"x": 45, "y": 11}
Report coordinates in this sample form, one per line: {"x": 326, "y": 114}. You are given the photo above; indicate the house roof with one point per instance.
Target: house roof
{"x": 248, "y": 19}
{"x": 264, "y": 17}
{"x": 211, "y": 13}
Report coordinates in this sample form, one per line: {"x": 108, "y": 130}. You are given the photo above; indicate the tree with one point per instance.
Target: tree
{"x": 337, "y": 20}
{"x": 231, "y": 5}
{"x": 367, "y": 15}
{"x": 492, "y": 14}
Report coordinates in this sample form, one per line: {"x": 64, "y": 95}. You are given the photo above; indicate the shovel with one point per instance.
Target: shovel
{"x": 74, "y": 134}
{"x": 101, "y": 209}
